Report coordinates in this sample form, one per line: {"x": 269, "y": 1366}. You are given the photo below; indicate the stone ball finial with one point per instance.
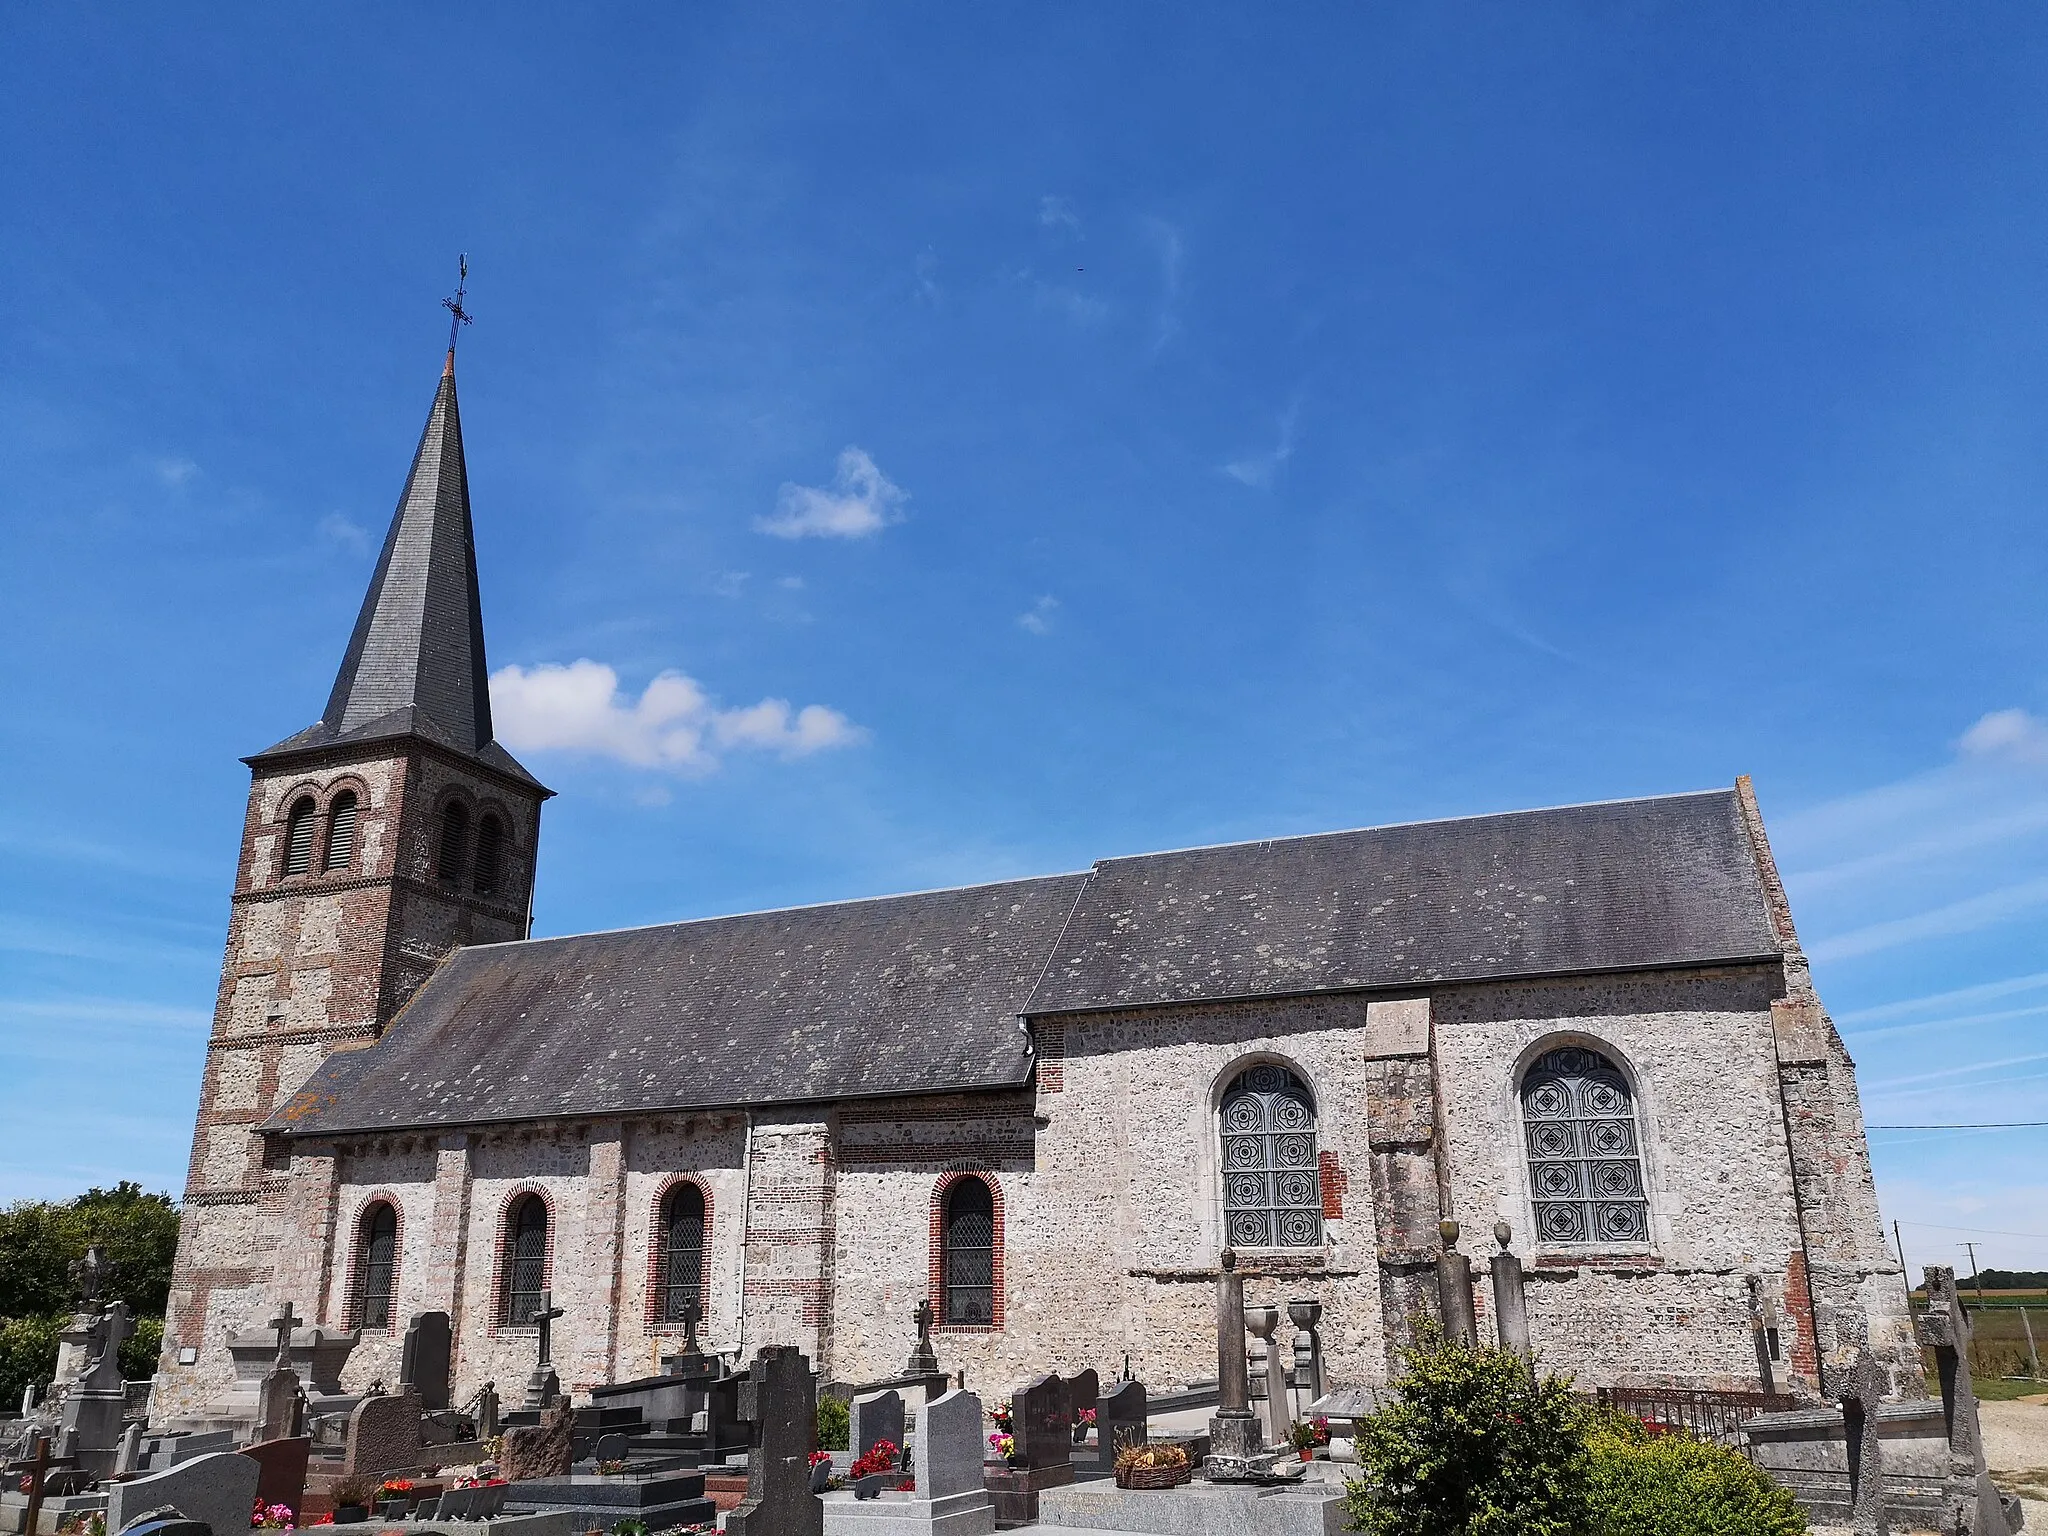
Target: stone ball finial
{"x": 1448, "y": 1231}
{"x": 1503, "y": 1234}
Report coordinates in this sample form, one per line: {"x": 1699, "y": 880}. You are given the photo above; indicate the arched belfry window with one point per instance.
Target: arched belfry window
{"x": 526, "y": 1259}
{"x": 1272, "y": 1188}
{"x": 682, "y": 1251}
{"x": 454, "y": 841}
{"x": 341, "y": 831}
{"x": 1585, "y": 1161}
{"x": 969, "y": 1254}
{"x": 298, "y": 838}
{"x": 490, "y": 846}
{"x": 376, "y": 1265}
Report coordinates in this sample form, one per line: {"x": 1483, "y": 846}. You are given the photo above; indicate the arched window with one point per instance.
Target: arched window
{"x": 682, "y": 1251}
{"x": 490, "y": 843}
{"x": 1585, "y": 1163}
{"x": 341, "y": 831}
{"x": 526, "y": 1259}
{"x": 298, "y": 838}
{"x": 1272, "y": 1189}
{"x": 454, "y": 841}
{"x": 969, "y": 1258}
{"x": 376, "y": 1265}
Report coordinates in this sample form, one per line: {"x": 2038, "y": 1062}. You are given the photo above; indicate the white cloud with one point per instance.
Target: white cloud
{"x": 1258, "y": 469}
{"x": 1166, "y": 325}
{"x": 2012, "y": 734}
{"x": 729, "y": 583}
{"x": 336, "y": 529}
{"x": 790, "y": 583}
{"x": 673, "y": 724}
{"x": 927, "y": 269}
{"x": 1957, "y": 917}
{"x": 175, "y": 471}
{"x": 862, "y": 500}
{"x": 1038, "y": 617}
{"x": 1058, "y": 213}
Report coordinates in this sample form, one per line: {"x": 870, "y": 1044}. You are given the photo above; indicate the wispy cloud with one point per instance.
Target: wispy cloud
{"x": 1166, "y": 320}
{"x": 338, "y": 530}
{"x": 1959, "y": 996}
{"x": 175, "y": 471}
{"x": 672, "y": 725}
{"x": 926, "y": 270}
{"x": 2011, "y": 734}
{"x": 860, "y": 501}
{"x": 729, "y": 583}
{"x": 1038, "y": 617}
{"x": 1965, "y": 916}
{"x": 1059, "y": 214}
{"x": 1258, "y": 469}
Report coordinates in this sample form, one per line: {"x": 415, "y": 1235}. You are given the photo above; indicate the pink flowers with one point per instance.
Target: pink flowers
{"x": 1003, "y": 1445}
{"x": 271, "y": 1517}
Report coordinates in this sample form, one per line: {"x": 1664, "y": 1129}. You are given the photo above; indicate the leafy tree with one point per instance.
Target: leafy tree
{"x": 39, "y": 1240}
{"x": 1472, "y": 1446}
{"x": 28, "y": 1355}
{"x": 1674, "y": 1485}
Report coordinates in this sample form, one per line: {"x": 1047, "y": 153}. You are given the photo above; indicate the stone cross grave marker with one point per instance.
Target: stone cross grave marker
{"x": 875, "y": 1416}
{"x": 1861, "y": 1388}
{"x": 1120, "y": 1421}
{"x": 924, "y": 1360}
{"x": 424, "y": 1363}
{"x": 946, "y": 1461}
{"x": 277, "y": 1398}
{"x": 1945, "y": 1328}
{"x": 544, "y": 1386}
{"x": 94, "y": 1409}
{"x": 779, "y": 1402}
{"x": 1042, "y": 1423}
{"x": 38, "y": 1468}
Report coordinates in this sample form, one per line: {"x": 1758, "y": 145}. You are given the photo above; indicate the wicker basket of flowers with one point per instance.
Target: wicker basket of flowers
{"x": 1152, "y": 1466}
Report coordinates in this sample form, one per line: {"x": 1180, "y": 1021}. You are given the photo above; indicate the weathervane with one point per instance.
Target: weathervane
{"x": 460, "y": 316}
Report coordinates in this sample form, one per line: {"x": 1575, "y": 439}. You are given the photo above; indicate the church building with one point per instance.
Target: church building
{"x": 1046, "y": 1105}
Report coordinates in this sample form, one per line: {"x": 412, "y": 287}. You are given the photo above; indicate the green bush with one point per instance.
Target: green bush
{"x": 1472, "y": 1446}
{"x": 139, "y": 1353}
{"x": 1674, "y": 1485}
{"x": 835, "y": 1423}
{"x": 28, "y": 1354}
{"x": 40, "y": 1238}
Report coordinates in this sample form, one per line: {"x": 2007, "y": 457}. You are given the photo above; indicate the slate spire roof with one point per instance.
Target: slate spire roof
{"x": 415, "y": 663}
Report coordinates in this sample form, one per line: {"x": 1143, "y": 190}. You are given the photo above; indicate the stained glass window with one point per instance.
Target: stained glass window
{"x": 970, "y": 1253}
{"x": 1585, "y": 1165}
{"x": 1272, "y": 1192}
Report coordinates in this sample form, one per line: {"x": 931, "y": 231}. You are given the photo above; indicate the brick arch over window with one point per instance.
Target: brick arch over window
{"x": 519, "y": 1276}
{"x": 664, "y": 1300}
{"x": 959, "y": 1202}
{"x": 370, "y": 1272}
{"x": 1583, "y": 1138}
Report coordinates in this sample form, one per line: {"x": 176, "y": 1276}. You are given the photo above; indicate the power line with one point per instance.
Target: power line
{"x": 1979, "y": 1231}
{"x": 1981, "y": 1125}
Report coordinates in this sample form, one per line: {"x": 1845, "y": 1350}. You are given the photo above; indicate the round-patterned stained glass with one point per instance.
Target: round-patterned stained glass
{"x": 1585, "y": 1169}
{"x": 1272, "y": 1192}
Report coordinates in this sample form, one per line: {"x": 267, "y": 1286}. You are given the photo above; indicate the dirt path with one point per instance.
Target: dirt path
{"x": 2016, "y": 1446}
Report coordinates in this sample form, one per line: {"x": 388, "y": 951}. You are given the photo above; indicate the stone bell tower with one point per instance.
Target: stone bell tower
{"x": 391, "y": 831}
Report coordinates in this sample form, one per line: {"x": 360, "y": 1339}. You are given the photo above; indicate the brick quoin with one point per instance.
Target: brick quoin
{"x": 1052, "y": 1058}
{"x": 1799, "y": 1302}
{"x": 352, "y": 1292}
{"x": 1335, "y": 1182}
{"x": 657, "y": 1254}
{"x": 937, "y": 1276}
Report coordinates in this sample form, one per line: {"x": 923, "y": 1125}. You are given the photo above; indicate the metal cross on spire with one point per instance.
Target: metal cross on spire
{"x": 459, "y": 316}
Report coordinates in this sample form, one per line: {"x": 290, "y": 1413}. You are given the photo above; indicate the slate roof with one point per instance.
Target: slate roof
{"x": 415, "y": 663}
{"x": 1626, "y": 885}
{"x": 927, "y": 993}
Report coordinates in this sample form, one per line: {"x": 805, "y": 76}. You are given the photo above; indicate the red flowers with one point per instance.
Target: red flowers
{"x": 882, "y": 1456}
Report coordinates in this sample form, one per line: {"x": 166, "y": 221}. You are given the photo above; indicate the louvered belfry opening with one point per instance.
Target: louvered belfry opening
{"x": 490, "y": 843}
{"x": 526, "y": 1262}
{"x": 341, "y": 831}
{"x": 298, "y": 838}
{"x": 970, "y": 1253}
{"x": 379, "y": 1261}
{"x": 682, "y": 1251}
{"x": 454, "y": 841}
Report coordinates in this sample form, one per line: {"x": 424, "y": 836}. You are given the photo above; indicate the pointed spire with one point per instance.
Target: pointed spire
{"x": 415, "y": 663}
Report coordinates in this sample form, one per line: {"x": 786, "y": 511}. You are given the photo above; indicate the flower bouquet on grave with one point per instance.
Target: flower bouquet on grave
{"x": 1152, "y": 1466}
{"x": 1000, "y": 1416}
{"x": 874, "y": 1468}
{"x": 1004, "y": 1446}
{"x": 394, "y": 1497}
{"x": 610, "y": 1468}
{"x": 1084, "y": 1421}
{"x": 821, "y": 1471}
{"x": 271, "y": 1517}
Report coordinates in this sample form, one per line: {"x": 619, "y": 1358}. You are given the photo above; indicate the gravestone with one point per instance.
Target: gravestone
{"x": 546, "y": 1449}
{"x": 383, "y": 1435}
{"x": 611, "y": 1446}
{"x": 1234, "y": 1440}
{"x": 1082, "y": 1392}
{"x": 281, "y": 1469}
{"x": 487, "y": 1411}
{"x": 424, "y": 1363}
{"x": 780, "y": 1404}
{"x": 1510, "y": 1299}
{"x": 946, "y": 1460}
{"x": 875, "y": 1416}
{"x": 1268, "y": 1374}
{"x": 1974, "y": 1504}
{"x": 90, "y": 1427}
{"x": 1453, "y": 1290}
{"x": 1042, "y": 1423}
{"x": 1861, "y": 1388}
{"x": 544, "y": 1386}
{"x": 277, "y": 1399}
{"x": 1119, "y": 1421}
{"x": 129, "y": 1457}
{"x": 485, "y": 1503}
{"x": 217, "y": 1489}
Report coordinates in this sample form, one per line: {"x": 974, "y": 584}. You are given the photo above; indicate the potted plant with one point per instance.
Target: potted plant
{"x": 1302, "y": 1436}
{"x": 394, "y": 1498}
{"x": 352, "y": 1497}
{"x": 875, "y": 1467}
{"x": 1152, "y": 1466}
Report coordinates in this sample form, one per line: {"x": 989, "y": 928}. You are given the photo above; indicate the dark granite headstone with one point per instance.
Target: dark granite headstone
{"x": 1120, "y": 1420}
{"x": 1082, "y": 1392}
{"x": 282, "y": 1478}
{"x": 610, "y": 1447}
{"x": 424, "y": 1364}
{"x": 1042, "y": 1423}
{"x": 779, "y": 1401}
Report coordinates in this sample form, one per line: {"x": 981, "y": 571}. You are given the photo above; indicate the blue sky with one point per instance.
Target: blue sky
{"x": 1103, "y": 429}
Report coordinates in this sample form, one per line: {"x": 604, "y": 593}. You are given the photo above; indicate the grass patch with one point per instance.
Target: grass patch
{"x": 2003, "y": 1389}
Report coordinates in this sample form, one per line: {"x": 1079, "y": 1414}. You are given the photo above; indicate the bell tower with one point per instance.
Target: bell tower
{"x": 387, "y": 833}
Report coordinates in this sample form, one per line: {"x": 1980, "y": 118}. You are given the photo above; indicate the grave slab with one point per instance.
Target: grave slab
{"x": 1196, "y": 1509}
{"x": 662, "y": 1500}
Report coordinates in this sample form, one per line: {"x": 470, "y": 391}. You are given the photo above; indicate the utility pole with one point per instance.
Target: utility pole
{"x": 1979, "y": 1279}
{"x": 1902, "y": 1257}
